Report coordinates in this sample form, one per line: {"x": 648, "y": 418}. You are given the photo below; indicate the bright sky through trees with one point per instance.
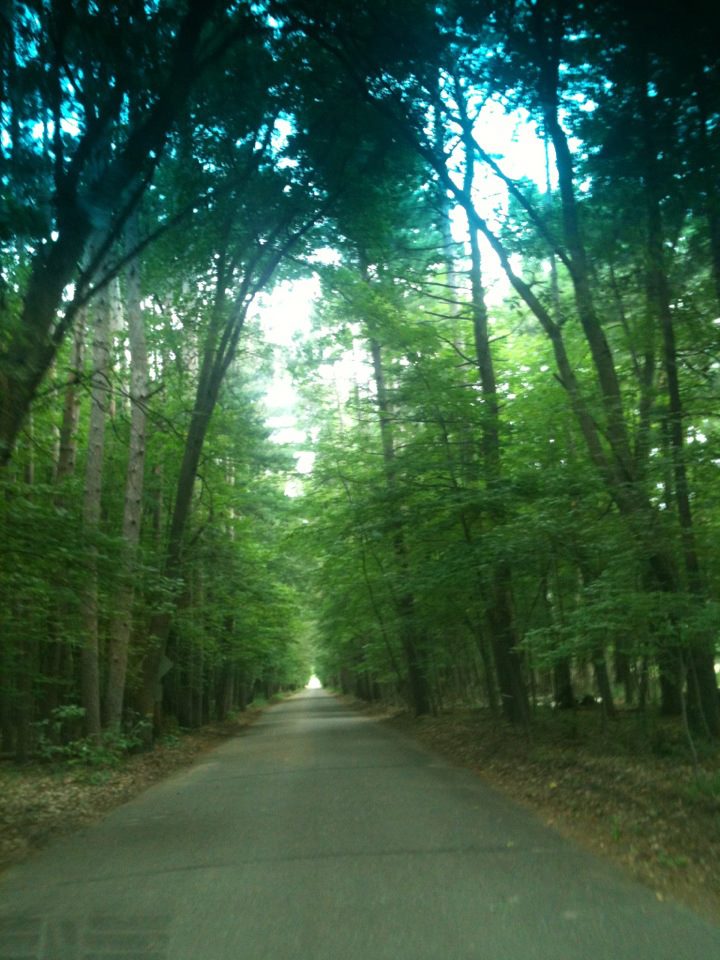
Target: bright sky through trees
{"x": 285, "y": 313}
{"x": 510, "y": 478}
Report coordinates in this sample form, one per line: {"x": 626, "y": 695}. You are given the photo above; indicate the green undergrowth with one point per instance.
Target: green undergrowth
{"x": 59, "y": 748}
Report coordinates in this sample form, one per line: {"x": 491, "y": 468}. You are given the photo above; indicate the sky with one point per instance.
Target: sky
{"x": 284, "y": 314}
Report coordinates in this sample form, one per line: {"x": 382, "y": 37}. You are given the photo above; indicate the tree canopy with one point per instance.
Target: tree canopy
{"x": 510, "y": 388}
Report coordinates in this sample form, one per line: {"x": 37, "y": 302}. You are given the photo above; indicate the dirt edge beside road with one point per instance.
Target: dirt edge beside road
{"x": 649, "y": 814}
{"x": 41, "y": 801}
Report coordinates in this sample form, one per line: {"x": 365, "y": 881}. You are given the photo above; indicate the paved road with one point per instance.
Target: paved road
{"x": 322, "y": 835}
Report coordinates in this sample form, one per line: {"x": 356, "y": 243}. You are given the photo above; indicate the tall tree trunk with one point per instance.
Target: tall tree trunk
{"x": 30, "y": 350}
{"x": 709, "y": 179}
{"x": 702, "y": 687}
{"x": 226, "y": 325}
{"x": 214, "y": 365}
{"x": 120, "y": 627}
{"x": 160, "y": 622}
{"x": 563, "y": 691}
{"x": 60, "y": 652}
{"x": 29, "y": 458}
{"x": 71, "y": 407}
{"x": 500, "y": 614}
{"x": 100, "y": 392}
{"x": 631, "y": 500}
{"x": 602, "y": 681}
{"x": 475, "y": 623}
{"x": 415, "y": 662}
{"x": 615, "y": 424}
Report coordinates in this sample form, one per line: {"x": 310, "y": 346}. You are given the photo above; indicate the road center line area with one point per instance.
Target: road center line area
{"x": 320, "y": 834}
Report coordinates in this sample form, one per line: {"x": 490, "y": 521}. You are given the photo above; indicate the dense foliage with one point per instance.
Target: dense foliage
{"x": 510, "y": 389}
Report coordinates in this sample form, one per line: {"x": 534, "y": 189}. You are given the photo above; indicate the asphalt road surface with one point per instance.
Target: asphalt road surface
{"x": 322, "y": 835}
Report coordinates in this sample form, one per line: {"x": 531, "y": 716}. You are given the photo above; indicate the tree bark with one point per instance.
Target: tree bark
{"x": 616, "y": 427}
{"x": 32, "y": 348}
{"x": 708, "y": 172}
{"x": 500, "y": 615}
{"x": 226, "y": 325}
{"x": 120, "y": 627}
{"x": 702, "y": 686}
{"x": 92, "y": 499}
{"x": 602, "y": 681}
{"x": 414, "y": 660}
{"x": 71, "y": 408}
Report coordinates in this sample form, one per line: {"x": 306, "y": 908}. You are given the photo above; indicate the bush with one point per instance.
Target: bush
{"x": 85, "y": 751}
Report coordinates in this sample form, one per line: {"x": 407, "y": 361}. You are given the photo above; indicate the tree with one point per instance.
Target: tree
{"x": 120, "y": 628}
{"x": 76, "y": 197}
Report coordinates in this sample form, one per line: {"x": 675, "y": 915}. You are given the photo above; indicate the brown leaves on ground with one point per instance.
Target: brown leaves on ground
{"x": 39, "y": 801}
{"x": 625, "y": 789}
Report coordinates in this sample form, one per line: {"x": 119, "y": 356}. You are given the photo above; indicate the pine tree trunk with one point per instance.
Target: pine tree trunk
{"x": 100, "y": 392}
{"x": 702, "y": 688}
{"x": 500, "y": 614}
{"x": 416, "y": 667}
{"x": 709, "y": 179}
{"x": 71, "y": 407}
{"x": 120, "y": 628}
{"x": 210, "y": 381}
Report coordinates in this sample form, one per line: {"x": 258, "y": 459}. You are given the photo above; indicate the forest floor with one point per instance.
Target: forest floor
{"x": 618, "y": 788}
{"x": 40, "y": 801}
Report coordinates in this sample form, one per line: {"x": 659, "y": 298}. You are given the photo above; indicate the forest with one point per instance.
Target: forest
{"x": 508, "y": 390}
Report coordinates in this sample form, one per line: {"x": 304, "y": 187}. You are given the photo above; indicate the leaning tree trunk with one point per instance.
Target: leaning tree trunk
{"x": 120, "y": 626}
{"x": 219, "y": 350}
{"x": 30, "y": 350}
